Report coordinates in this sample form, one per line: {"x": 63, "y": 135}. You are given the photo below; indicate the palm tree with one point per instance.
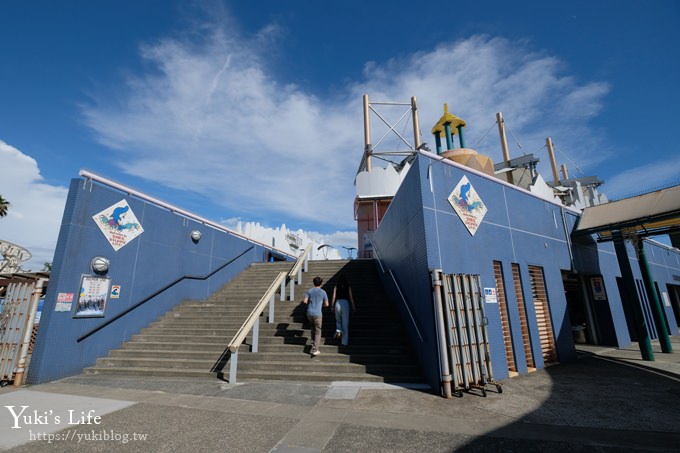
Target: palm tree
{"x": 4, "y": 206}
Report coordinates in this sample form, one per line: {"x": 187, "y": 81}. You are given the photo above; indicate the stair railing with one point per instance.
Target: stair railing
{"x": 396, "y": 285}
{"x": 295, "y": 274}
{"x": 252, "y": 322}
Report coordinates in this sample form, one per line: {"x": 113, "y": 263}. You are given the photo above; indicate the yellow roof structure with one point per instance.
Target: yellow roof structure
{"x": 453, "y": 120}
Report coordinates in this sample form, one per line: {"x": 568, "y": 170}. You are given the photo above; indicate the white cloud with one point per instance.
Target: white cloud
{"x": 643, "y": 178}
{"x": 211, "y": 118}
{"x": 36, "y": 208}
{"x": 480, "y": 76}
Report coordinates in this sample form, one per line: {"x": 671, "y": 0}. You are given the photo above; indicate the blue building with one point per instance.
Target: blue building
{"x": 550, "y": 285}
{"x": 542, "y": 284}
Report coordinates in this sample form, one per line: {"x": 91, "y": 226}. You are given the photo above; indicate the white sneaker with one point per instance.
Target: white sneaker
{"x": 315, "y": 353}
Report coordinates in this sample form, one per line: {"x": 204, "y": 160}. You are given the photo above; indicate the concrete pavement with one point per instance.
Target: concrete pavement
{"x": 607, "y": 400}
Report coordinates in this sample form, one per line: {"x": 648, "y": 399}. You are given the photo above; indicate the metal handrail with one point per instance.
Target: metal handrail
{"x": 255, "y": 314}
{"x": 252, "y": 322}
{"x": 156, "y": 293}
{"x": 296, "y": 272}
{"x": 302, "y": 259}
{"x": 401, "y": 295}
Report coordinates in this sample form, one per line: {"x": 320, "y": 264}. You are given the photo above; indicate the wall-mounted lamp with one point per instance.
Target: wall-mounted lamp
{"x": 195, "y": 235}
{"x": 100, "y": 265}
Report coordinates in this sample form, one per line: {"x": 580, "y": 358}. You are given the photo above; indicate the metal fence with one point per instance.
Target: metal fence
{"x": 466, "y": 342}
{"x": 17, "y": 319}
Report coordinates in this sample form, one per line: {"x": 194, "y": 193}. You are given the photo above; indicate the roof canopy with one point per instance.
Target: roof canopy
{"x": 448, "y": 118}
{"x": 649, "y": 214}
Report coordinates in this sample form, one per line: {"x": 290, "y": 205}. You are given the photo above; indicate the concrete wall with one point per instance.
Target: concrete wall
{"x": 517, "y": 228}
{"x": 400, "y": 244}
{"x": 599, "y": 259}
{"x": 163, "y": 253}
{"x": 421, "y": 231}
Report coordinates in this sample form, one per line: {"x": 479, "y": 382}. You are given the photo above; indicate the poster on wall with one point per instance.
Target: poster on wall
{"x": 92, "y": 298}
{"x": 490, "y": 296}
{"x": 118, "y": 224}
{"x": 666, "y": 300}
{"x": 64, "y": 302}
{"x": 467, "y": 204}
{"x": 597, "y": 286}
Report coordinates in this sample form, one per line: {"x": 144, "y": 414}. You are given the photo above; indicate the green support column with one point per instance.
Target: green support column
{"x": 438, "y": 141}
{"x": 449, "y": 140}
{"x": 460, "y": 134}
{"x": 652, "y": 296}
{"x": 629, "y": 283}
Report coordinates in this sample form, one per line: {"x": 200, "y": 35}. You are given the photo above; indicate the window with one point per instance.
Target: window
{"x": 545, "y": 329}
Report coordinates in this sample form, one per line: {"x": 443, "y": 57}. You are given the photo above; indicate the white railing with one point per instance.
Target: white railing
{"x": 252, "y": 322}
{"x": 295, "y": 274}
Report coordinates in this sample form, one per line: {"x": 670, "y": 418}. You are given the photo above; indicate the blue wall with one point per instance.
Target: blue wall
{"x": 163, "y": 253}
{"x": 596, "y": 259}
{"x": 517, "y": 228}
{"x": 400, "y": 243}
{"x": 421, "y": 231}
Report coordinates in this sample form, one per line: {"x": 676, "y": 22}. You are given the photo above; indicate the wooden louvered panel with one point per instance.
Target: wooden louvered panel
{"x": 505, "y": 320}
{"x": 521, "y": 308}
{"x": 547, "y": 339}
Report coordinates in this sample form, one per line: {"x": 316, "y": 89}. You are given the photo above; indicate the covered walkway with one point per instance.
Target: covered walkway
{"x": 650, "y": 214}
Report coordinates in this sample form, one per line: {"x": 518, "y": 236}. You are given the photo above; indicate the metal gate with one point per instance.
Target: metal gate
{"x": 16, "y": 328}
{"x": 466, "y": 334}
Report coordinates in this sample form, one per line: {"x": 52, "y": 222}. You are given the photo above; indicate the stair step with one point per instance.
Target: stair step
{"x": 328, "y": 354}
{"x": 315, "y": 376}
{"x": 149, "y": 371}
{"x": 266, "y": 347}
{"x": 208, "y": 337}
{"x": 301, "y": 363}
{"x": 189, "y": 339}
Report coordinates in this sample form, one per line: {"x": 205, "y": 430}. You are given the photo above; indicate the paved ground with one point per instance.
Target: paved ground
{"x": 607, "y": 400}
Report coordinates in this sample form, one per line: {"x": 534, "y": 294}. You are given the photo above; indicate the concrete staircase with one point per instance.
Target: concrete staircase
{"x": 190, "y": 339}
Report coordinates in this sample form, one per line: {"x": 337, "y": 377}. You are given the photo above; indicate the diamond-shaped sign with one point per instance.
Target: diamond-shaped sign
{"x": 119, "y": 224}
{"x": 467, "y": 204}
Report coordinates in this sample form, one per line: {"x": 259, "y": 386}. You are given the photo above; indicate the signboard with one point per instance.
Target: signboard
{"x": 490, "y": 296}
{"x": 92, "y": 299}
{"x": 64, "y": 302}
{"x": 115, "y": 291}
{"x": 666, "y": 300}
{"x": 118, "y": 224}
{"x": 597, "y": 286}
{"x": 467, "y": 204}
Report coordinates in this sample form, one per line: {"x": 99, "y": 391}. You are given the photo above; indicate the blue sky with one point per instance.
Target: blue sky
{"x": 252, "y": 110}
